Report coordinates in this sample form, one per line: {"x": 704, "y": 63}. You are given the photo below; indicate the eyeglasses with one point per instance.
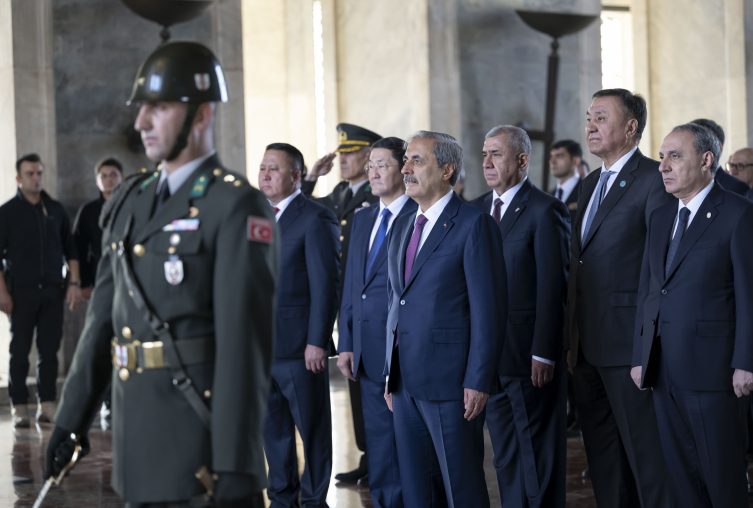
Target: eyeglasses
{"x": 381, "y": 167}
{"x": 737, "y": 166}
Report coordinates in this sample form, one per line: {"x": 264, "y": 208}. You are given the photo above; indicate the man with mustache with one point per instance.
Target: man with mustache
{"x": 445, "y": 328}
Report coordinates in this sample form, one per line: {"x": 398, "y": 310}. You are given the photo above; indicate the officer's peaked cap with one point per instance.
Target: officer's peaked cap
{"x": 353, "y": 137}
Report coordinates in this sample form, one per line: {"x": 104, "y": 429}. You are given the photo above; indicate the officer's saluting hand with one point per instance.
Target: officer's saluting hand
{"x": 187, "y": 286}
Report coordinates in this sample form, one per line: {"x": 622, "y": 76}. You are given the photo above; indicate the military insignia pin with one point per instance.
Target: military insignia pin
{"x": 708, "y": 215}
{"x": 201, "y": 80}
{"x": 623, "y": 183}
{"x": 259, "y": 229}
{"x": 174, "y": 271}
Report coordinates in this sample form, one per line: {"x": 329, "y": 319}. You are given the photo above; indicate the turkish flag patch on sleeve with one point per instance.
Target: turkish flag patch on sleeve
{"x": 259, "y": 229}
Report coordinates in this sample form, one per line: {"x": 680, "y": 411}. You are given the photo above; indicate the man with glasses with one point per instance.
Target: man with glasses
{"x": 348, "y": 197}
{"x": 740, "y": 166}
{"x": 363, "y": 315}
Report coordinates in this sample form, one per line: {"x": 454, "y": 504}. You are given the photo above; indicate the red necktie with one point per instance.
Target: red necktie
{"x": 277, "y": 210}
{"x": 497, "y": 213}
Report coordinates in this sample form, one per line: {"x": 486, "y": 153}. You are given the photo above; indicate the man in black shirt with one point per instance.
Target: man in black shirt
{"x": 35, "y": 244}
{"x": 86, "y": 230}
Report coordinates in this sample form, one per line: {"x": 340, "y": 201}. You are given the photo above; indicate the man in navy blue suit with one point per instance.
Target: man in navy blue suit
{"x": 445, "y": 327}
{"x": 363, "y": 315}
{"x": 526, "y": 420}
{"x": 307, "y": 299}
{"x": 722, "y": 177}
{"x": 693, "y": 327}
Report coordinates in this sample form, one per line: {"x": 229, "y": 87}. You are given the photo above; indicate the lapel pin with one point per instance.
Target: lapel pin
{"x": 517, "y": 209}
{"x": 445, "y": 224}
{"x": 622, "y": 183}
{"x": 708, "y": 215}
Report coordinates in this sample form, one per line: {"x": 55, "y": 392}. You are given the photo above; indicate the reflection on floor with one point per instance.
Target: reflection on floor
{"x": 89, "y": 484}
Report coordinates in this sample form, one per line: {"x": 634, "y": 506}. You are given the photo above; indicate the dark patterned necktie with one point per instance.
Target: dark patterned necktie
{"x": 497, "y": 213}
{"x": 682, "y": 223}
{"x": 162, "y": 197}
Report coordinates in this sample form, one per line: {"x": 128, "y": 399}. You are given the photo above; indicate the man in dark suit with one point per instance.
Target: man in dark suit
{"x": 306, "y": 309}
{"x": 740, "y": 166}
{"x": 618, "y": 422}
{"x": 723, "y": 178}
{"x": 363, "y": 315}
{"x": 445, "y": 327}
{"x": 693, "y": 327}
{"x": 348, "y": 197}
{"x": 526, "y": 420}
{"x": 564, "y": 160}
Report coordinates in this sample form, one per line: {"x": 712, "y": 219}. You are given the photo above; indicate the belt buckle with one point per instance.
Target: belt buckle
{"x": 153, "y": 355}
{"x": 124, "y": 355}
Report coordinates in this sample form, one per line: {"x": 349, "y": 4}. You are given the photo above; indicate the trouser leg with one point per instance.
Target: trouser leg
{"x": 356, "y": 407}
{"x": 49, "y": 335}
{"x": 279, "y": 446}
{"x": 23, "y": 319}
{"x": 384, "y": 473}
{"x": 501, "y": 424}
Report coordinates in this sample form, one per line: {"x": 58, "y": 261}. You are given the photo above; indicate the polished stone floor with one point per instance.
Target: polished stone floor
{"x": 22, "y": 457}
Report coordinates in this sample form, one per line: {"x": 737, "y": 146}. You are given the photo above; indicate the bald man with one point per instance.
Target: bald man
{"x": 740, "y": 166}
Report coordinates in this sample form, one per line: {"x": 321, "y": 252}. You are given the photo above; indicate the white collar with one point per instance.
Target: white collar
{"x": 509, "y": 194}
{"x": 432, "y": 214}
{"x": 178, "y": 177}
{"x": 568, "y": 185}
{"x": 617, "y": 166}
{"x": 395, "y": 206}
{"x": 695, "y": 203}
{"x": 283, "y": 204}
{"x": 354, "y": 187}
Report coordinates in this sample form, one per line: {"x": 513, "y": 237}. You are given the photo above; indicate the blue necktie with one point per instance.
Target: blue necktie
{"x": 682, "y": 223}
{"x": 600, "y": 192}
{"x": 378, "y": 239}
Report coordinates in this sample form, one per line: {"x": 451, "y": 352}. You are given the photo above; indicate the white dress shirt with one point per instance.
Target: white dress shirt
{"x": 283, "y": 204}
{"x": 506, "y": 198}
{"x": 693, "y": 205}
{"x": 180, "y": 175}
{"x": 432, "y": 214}
{"x": 567, "y": 186}
{"x": 616, "y": 167}
{"x": 394, "y": 209}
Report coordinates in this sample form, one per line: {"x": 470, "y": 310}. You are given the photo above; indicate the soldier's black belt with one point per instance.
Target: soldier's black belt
{"x": 171, "y": 355}
{"x": 151, "y": 355}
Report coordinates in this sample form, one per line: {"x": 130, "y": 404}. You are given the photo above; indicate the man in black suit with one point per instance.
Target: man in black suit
{"x": 348, "y": 197}
{"x": 740, "y": 166}
{"x": 526, "y": 420}
{"x": 723, "y": 178}
{"x": 363, "y": 315}
{"x": 564, "y": 160}
{"x": 618, "y": 422}
{"x": 693, "y": 327}
{"x": 307, "y": 301}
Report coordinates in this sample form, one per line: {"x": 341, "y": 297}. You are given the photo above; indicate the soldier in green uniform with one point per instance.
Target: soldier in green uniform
{"x": 181, "y": 317}
{"x": 349, "y": 196}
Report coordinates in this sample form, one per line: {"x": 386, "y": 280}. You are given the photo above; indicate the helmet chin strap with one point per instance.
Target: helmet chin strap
{"x": 182, "y": 141}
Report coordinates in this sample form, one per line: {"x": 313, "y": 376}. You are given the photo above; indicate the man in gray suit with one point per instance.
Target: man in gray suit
{"x": 618, "y": 421}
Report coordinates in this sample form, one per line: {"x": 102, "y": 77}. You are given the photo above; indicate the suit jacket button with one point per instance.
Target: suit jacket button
{"x": 342, "y": 238}
{"x": 363, "y": 297}
{"x": 343, "y": 222}
{"x": 664, "y": 291}
{"x": 580, "y": 262}
{"x": 402, "y": 302}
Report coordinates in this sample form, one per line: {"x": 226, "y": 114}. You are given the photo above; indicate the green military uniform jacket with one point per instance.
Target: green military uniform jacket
{"x": 230, "y": 267}
{"x": 344, "y": 212}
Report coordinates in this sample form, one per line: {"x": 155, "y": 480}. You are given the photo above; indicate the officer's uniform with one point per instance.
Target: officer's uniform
{"x": 206, "y": 262}
{"x": 345, "y": 203}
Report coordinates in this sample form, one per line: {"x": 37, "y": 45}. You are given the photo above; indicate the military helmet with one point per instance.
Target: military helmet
{"x": 180, "y": 71}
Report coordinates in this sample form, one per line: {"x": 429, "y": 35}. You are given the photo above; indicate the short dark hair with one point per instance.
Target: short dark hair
{"x": 572, "y": 147}
{"x": 395, "y": 145}
{"x": 295, "y": 157}
{"x": 704, "y": 140}
{"x": 711, "y": 125}
{"x": 633, "y": 105}
{"x": 29, "y": 157}
{"x": 108, "y": 161}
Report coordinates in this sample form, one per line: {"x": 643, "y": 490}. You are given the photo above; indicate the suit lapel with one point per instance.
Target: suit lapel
{"x": 142, "y": 206}
{"x": 363, "y": 246}
{"x": 702, "y": 220}
{"x": 291, "y": 213}
{"x": 587, "y": 189}
{"x": 515, "y": 208}
{"x": 408, "y": 208}
{"x": 403, "y": 248}
{"x": 438, "y": 231}
{"x": 619, "y": 188}
{"x": 662, "y": 225}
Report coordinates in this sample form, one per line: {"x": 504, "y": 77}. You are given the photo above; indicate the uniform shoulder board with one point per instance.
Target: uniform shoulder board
{"x": 119, "y": 193}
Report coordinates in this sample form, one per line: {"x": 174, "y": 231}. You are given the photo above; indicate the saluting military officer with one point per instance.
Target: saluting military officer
{"x": 346, "y": 199}
{"x": 186, "y": 286}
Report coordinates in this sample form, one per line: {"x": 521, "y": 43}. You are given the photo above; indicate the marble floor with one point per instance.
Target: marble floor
{"x": 22, "y": 461}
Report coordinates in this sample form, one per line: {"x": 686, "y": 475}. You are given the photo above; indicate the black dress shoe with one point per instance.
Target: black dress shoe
{"x": 352, "y": 476}
{"x": 364, "y": 481}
